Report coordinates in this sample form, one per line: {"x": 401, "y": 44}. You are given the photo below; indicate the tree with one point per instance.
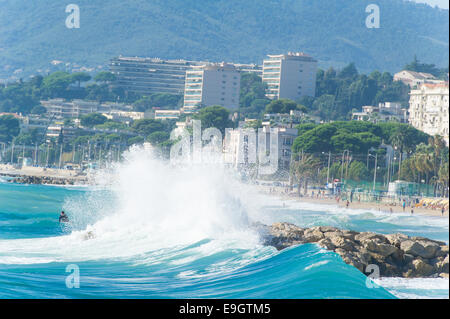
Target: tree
{"x": 105, "y": 77}
{"x": 281, "y": 106}
{"x": 9, "y": 128}
{"x": 214, "y": 116}
{"x": 145, "y": 127}
{"x": 157, "y": 138}
{"x": 348, "y": 72}
{"x": 80, "y": 77}
{"x": 92, "y": 119}
{"x": 55, "y": 84}
{"x": 39, "y": 110}
{"x": 252, "y": 88}
{"x": 305, "y": 168}
{"x": 358, "y": 171}
{"x": 416, "y": 66}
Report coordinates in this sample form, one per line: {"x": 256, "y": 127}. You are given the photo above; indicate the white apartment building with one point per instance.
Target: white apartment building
{"x": 428, "y": 109}
{"x": 290, "y": 76}
{"x": 60, "y": 108}
{"x": 212, "y": 84}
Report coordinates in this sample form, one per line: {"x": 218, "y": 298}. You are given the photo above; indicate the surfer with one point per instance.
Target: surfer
{"x": 63, "y": 218}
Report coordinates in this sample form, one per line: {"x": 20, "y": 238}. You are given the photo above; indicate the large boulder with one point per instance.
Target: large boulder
{"x": 312, "y": 235}
{"x": 384, "y": 250}
{"x": 411, "y": 247}
{"x": 361, "y": 237}
{"x": 442, "y": 265}
{"x": 396, "y": 239}
{"x": 421, "y": 268}
{"x": 424, "y": 249}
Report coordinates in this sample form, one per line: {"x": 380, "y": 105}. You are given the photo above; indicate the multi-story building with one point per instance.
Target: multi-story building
{"x": 151, "y": 75}
{"x": 384, "y": 112}
{"x": 60, "y": 108}
{"x": 293, "y": 117}
{"x": 167, "y": 114}
{"x": 414, "y": 79}
{"x": 154, "y": 75}
{"x": 428, "y": 109}
{"x": 290, "y": 76}
{"x": 212, "y": 84}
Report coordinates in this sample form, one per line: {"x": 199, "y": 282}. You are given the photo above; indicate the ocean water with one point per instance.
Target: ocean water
{"x": 149, "y": 230}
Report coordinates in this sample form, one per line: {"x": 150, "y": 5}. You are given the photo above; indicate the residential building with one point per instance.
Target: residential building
{"x": 293, "y": 117}
{"x": 428, "y": 109}
{"x": 290, "y": 76}
{"x": 55, "y": 131}
{"x": 384, "y": 112}
{"x": 414, "y": 79}
{"x": 151, "y": 75}
{"x": 124, "y": 116}
{"x": 60, "y": 108}
{"x": 167, "y": 114}
{"x": 212, "y": 84}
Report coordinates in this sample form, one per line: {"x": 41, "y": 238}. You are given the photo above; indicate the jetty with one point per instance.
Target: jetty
{"x": 396, "y": 255}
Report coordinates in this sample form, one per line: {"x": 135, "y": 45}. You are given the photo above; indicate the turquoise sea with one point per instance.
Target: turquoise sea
{"x": 171, "y": 233}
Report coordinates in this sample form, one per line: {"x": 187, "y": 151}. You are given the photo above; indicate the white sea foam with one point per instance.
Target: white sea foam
{"x": 143, "y": 205}
{"x": 413, "y": 288}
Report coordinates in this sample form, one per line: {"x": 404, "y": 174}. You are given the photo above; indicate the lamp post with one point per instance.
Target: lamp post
{"x": 342, "y": 166}
{"x": 375, "y": 168}
{"x": 328, "y": 169}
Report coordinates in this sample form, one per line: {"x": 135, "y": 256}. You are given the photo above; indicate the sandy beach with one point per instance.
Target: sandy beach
{"x": 381, "y": 206}
{"x": 9, "y": 170}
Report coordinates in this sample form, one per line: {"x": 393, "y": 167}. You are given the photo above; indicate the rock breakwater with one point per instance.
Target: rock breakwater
{"x": 396, "y": 255}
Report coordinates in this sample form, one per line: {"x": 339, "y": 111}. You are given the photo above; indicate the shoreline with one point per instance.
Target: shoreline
{"x": 51, "y": 176}
{"x": 43, "y": 176}
{"x": 379, "y": 206}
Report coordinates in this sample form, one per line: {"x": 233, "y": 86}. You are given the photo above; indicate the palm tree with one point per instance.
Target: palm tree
{"x": 304, "y": 169}
{"x": 444, "y": 179}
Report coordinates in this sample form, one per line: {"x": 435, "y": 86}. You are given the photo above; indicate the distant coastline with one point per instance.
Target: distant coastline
{"x": 40, "y": 175}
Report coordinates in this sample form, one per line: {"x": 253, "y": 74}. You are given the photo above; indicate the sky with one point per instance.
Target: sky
{"x": 440, "y": 3}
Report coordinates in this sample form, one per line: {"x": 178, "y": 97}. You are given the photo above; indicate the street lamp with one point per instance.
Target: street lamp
{"x": 342, "y": 166}
{"x": 375, "y": 168}
{"x": 328, "y": 170}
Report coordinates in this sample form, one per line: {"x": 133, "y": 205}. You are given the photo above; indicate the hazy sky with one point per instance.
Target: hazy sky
{"x": 440, "y": 3}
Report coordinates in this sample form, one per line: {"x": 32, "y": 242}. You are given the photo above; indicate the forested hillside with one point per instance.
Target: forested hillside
{"x": 33, "y": 33}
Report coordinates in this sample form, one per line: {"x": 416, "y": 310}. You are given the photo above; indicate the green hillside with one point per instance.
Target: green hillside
{"x": 32, "y": 33}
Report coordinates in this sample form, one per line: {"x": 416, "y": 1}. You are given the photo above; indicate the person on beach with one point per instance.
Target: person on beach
{"x": 347, "y": 204}
{"x": 442, "y": 210}
{"x": 404, "y": 205}
{"x": 412, "y": 210}
{"x": 63, "y": 218}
